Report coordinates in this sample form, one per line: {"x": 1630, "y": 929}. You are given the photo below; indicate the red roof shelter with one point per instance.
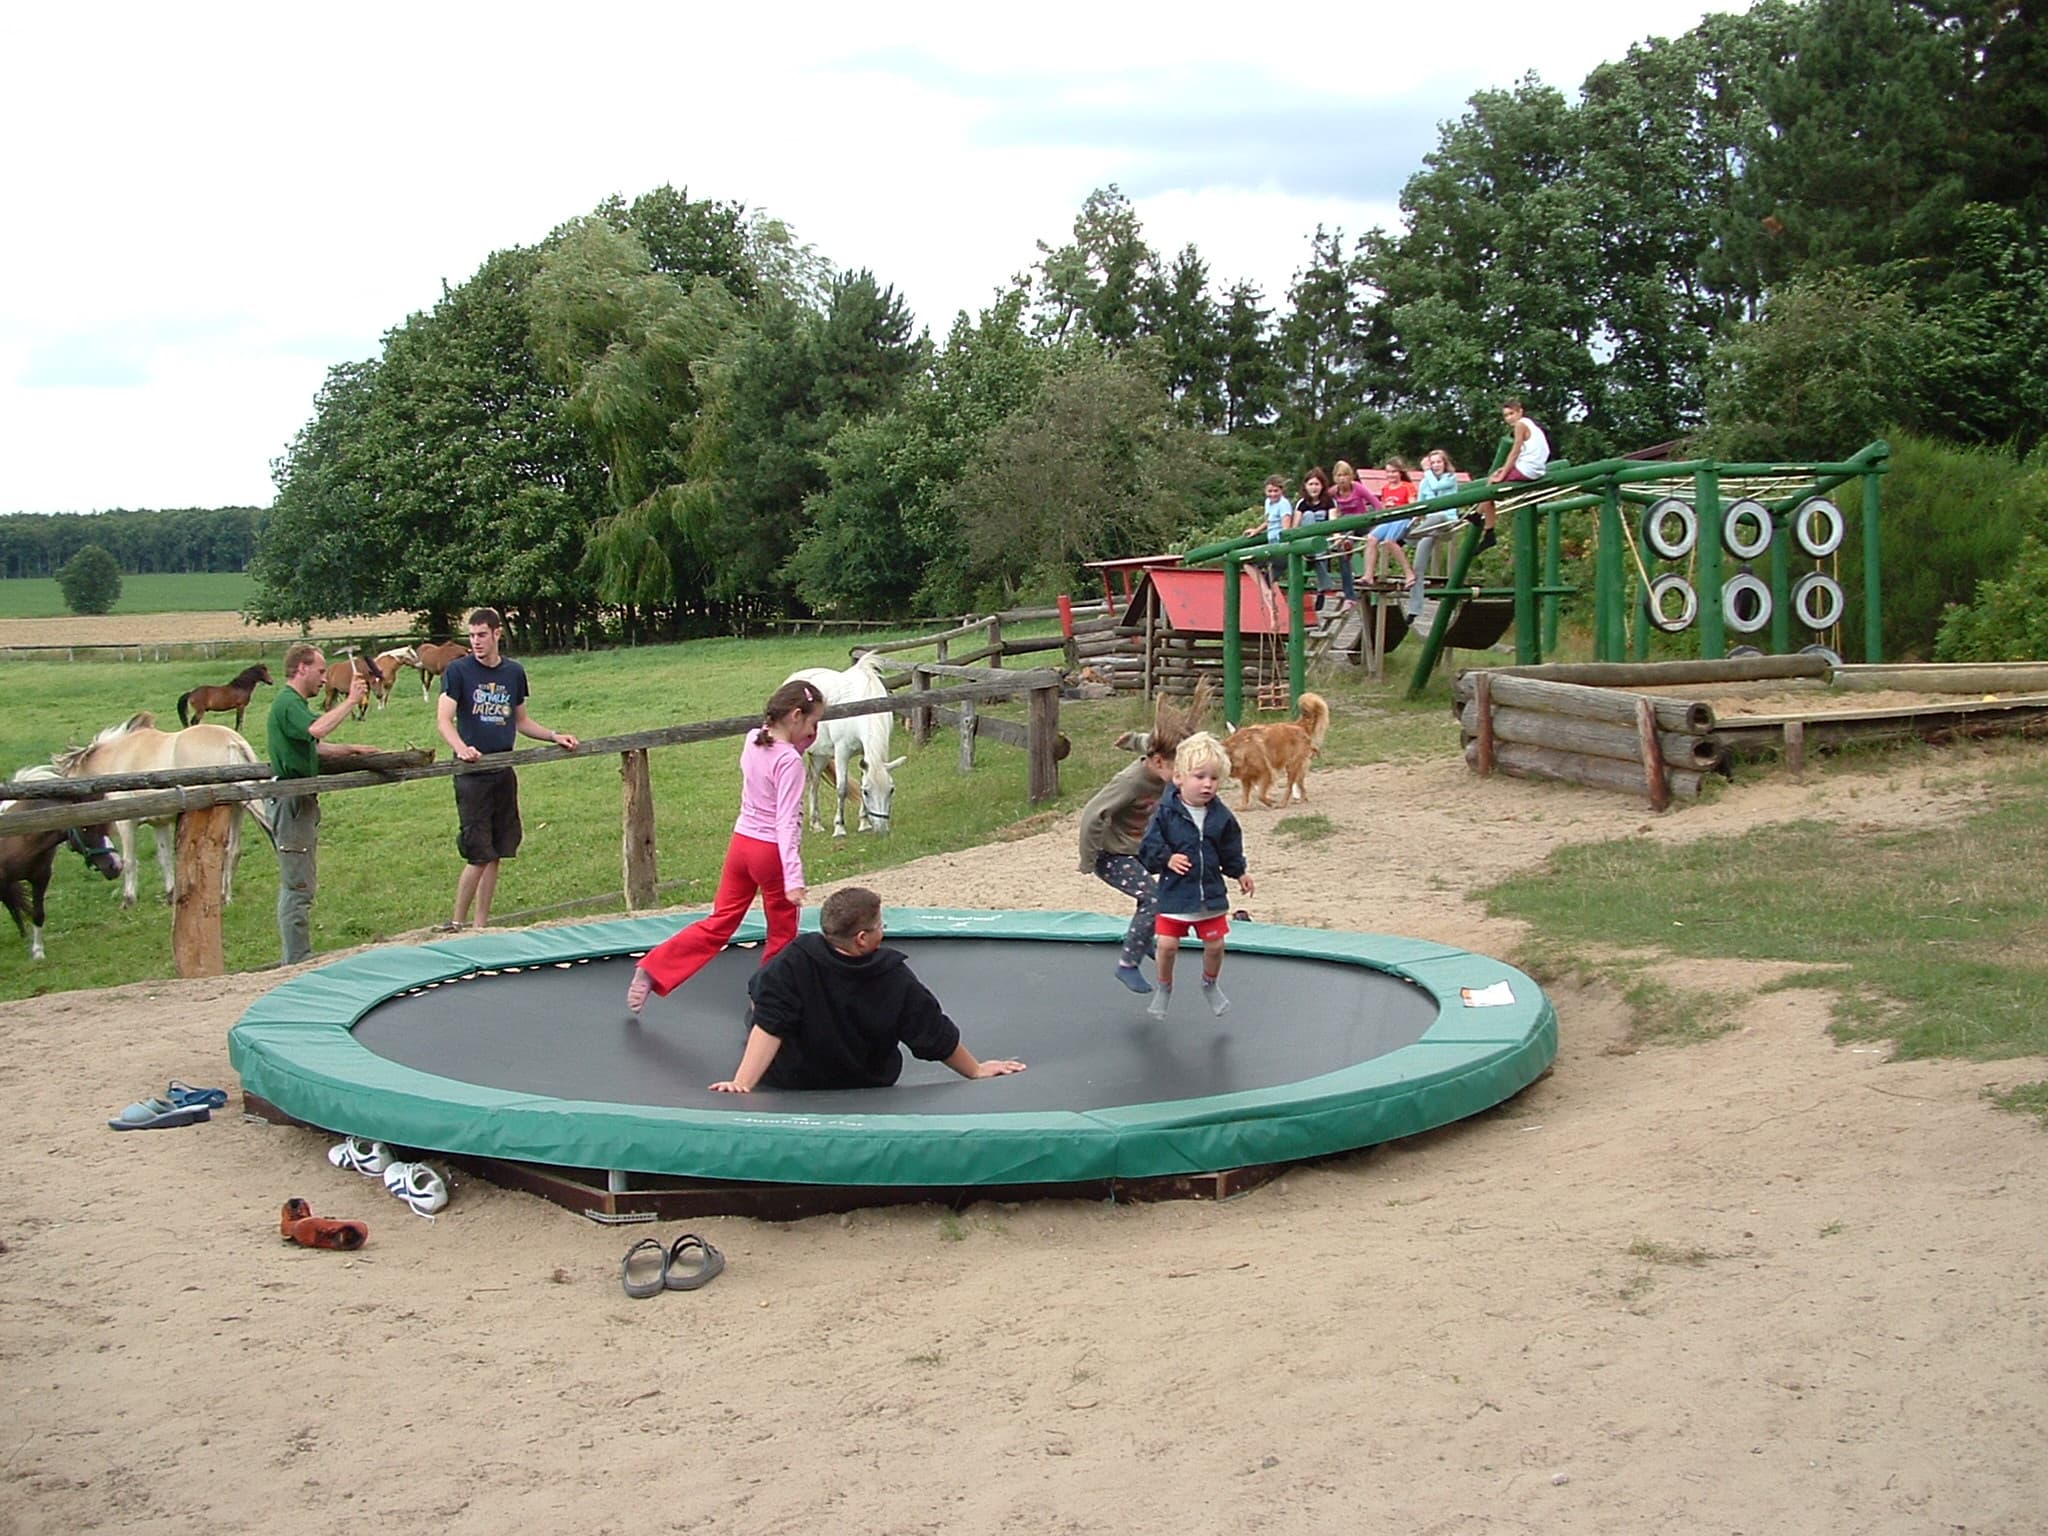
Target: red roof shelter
{"x": 1191, "y": 602}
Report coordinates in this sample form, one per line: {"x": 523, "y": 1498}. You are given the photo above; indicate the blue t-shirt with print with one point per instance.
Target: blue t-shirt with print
{"x": 487, "y": 700}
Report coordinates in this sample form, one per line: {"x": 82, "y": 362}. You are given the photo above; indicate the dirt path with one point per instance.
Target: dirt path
{"x": 180, "y": 629}
{"x": 1765, "y": 1284}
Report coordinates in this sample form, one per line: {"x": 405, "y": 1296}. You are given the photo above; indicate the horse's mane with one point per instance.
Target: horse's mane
{"x": 249, "y": 677}
{"x": 32, "y": 771}
{"x": 67, "y": 762}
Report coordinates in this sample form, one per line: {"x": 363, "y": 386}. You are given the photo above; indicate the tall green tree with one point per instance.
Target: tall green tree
{"x": 1096, "y": 283}
{"x": 90, "y": 581}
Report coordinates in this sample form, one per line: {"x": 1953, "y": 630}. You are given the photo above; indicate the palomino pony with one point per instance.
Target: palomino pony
{"x": 135, "y": 746}
{"x": 219, "y": 698}
{"x": 342, "y": 674}
{"x": 434, "y": 657}
{"x": 28, "y": 859}
{"x": 839, "y": 740}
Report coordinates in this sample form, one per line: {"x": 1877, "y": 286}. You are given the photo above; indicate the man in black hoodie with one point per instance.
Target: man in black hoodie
{"x": 834, "y": 1008}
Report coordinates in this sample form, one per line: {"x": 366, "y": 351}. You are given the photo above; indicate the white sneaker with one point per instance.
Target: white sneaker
{"x": 368, "y": 1158}
{"x": 418, "y": 1185}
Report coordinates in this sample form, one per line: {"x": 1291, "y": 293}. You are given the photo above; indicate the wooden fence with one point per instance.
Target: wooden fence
{"x": 201, "y": 798}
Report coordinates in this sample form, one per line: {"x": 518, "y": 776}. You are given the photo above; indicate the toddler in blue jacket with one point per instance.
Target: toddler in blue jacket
{"x": 1192, "y": 843}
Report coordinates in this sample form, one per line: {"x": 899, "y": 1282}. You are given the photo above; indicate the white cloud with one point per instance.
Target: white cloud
{"x": 209, "y": 206}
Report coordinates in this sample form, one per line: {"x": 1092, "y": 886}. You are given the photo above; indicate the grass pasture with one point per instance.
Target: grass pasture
{"x": 1932, "y": 938}
{"x": 387, "y": 856}
{"x": 39, "y": 597}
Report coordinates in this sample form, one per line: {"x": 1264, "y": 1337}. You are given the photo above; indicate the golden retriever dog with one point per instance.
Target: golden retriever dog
{"x": 1263, "y": 755}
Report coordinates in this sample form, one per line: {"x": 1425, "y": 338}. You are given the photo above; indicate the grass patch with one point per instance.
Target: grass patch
{"x": 2030, "y": 1099}
{"x": 387, "y": 856}
{"x": 39, "y": 597}
{"x": 951, "y": 1228}
{"x": 1302, "y": 829}
{"x": 1934, "y": 938}
{"x": 1650, "y": 1251}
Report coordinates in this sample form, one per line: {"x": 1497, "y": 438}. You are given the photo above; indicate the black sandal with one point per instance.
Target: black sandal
{"x": 691, "y": 1263}
{"x": 649, "y": 1256}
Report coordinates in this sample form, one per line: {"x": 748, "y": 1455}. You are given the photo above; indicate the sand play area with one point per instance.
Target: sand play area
{"x": 1765, "y": 1284}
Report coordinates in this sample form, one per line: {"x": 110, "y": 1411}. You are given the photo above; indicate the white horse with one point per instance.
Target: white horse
{"x": 136, "y": 745}
{"x": 839, "y": 740}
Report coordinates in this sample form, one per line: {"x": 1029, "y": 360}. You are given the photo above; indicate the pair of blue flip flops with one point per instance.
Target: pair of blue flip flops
{"x": 179, "y": 1104}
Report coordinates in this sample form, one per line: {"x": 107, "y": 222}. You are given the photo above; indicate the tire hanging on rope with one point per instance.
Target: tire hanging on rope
{"x": 1824, "y": 542}
{"x": 1745, "y": 620}
{"x": 1654, "y": 519}
{"x": 1824, "y": 614}
{"x": 1738, "y": 513}
{"x": 1653, "y": 603}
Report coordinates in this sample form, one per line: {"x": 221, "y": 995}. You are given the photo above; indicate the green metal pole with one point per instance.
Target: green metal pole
{"x": 1461, "y": 562}
{"x": 1873, "y": 609}
{"x": 1706, "y": 504}
{"x": 1233, "y": 641}
{"x": 1297, "y": 635}
{"x": 1553, "y": 566}
{"x": 1781, "y": 586}
{"x": 1639, "y": 650}
{"x": 1610, "y": 590}
{"x": 1528, "y": 625}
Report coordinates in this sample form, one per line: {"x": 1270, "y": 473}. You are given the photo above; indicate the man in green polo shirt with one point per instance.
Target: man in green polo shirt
{"x": 298, "y": 745}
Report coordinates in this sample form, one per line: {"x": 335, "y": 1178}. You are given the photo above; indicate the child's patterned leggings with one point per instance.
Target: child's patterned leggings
{"x": 1129, "y": 876}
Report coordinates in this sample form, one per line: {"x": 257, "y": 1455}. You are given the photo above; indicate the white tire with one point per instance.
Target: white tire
{"x": 1745, "y": 604}
{"x": 1688, "y": 603}
{"x": 1827, "y": 538}
{"x": 1655, "y": 518}
{"x": 1738, "y": 514}
{"x": 1817, "y": 599}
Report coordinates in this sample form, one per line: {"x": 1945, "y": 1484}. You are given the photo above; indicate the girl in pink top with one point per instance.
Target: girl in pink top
{"x": 762, "y": 857}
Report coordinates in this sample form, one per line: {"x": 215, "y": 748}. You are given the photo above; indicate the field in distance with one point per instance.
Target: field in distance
{"x": 39, "y": 597}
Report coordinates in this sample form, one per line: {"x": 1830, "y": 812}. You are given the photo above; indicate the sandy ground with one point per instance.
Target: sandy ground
{"x": 1765, "y": 1284}
{"x": 180, "y": 629}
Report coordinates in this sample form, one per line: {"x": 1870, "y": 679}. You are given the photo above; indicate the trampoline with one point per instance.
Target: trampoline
{"x": 514, "y": 1051}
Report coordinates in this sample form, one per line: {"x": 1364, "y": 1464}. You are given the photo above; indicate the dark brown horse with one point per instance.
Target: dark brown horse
{"x": 28, "y": 859}
{"x": 218, "y": 699}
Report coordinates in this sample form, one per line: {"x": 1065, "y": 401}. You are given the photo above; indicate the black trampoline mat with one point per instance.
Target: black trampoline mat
{"x": 562, "y": 1031}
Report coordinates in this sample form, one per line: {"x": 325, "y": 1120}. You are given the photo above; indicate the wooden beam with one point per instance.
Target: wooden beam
{"x": 1653, "y": 758}
{"x": 1482, "y": 721}
{"x": 1043, "y": 752}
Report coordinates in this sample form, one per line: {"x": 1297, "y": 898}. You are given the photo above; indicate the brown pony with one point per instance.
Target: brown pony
{"x": 340, "y": 675}
{"x": 434, "y": 658}
{"x": 389, "y": 664}
{"x": 28, "y": 859}
{"x": 218, "y": 699}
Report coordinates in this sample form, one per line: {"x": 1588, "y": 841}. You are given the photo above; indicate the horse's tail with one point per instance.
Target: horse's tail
{"x": 183, "y": 718}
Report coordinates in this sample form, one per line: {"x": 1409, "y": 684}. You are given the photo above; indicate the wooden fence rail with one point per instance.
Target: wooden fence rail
{"x": 199, "y": 797}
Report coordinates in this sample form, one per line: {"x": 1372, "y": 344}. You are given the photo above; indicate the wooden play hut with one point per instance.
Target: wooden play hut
{"x": 1177, "y": 616}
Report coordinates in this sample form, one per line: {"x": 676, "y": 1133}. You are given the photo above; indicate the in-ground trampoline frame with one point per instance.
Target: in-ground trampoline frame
{"x": 299, "y": 1061}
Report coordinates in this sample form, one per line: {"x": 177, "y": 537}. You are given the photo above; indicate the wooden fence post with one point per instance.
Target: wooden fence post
{"x": 202, "y": 842}
{"x": 967, "y": 724}
{"x": 1042, "y": 747}
{"x": 638, "y": 838}
{"x": 995, "y": 640}
{"x": 920, "y": 714}
{"x": 1482, "y": 697}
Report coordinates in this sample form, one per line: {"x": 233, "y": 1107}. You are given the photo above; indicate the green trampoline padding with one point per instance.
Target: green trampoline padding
{"x": 516, "y": 1046}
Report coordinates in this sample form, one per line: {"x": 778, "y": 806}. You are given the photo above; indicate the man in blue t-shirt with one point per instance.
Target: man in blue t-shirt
{"x": 483, "y": 709}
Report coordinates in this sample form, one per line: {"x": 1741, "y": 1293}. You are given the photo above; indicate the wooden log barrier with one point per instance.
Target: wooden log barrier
{"x": 1567, "y": 733}
{"x": 1043, "y": 756}
{"x": 1666, "y": 674}
{"x": 202, "y": 843}
{"x": 1610, "y": 704}
{"x": 1947, "y": 677}
{"x": 1521, "y": 760}
{"x": 637, "y": 835}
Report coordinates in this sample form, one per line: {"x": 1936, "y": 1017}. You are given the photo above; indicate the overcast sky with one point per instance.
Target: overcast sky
{"x": 211, "y": 205}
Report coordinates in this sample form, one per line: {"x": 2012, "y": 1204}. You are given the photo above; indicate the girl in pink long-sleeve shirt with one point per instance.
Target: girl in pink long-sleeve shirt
{"x": 763, "y": 857}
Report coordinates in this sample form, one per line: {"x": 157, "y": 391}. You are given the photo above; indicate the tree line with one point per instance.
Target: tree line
{"x": 1778, "y": 235}
{"x": 182, "y": 539}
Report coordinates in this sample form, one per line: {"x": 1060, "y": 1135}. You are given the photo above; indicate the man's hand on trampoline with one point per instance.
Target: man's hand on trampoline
{"x": 999, "y": 1068}
{"x": 729, "y": 1087}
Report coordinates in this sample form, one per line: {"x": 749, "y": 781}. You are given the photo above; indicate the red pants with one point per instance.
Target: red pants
{"x": 750, "y": 865}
